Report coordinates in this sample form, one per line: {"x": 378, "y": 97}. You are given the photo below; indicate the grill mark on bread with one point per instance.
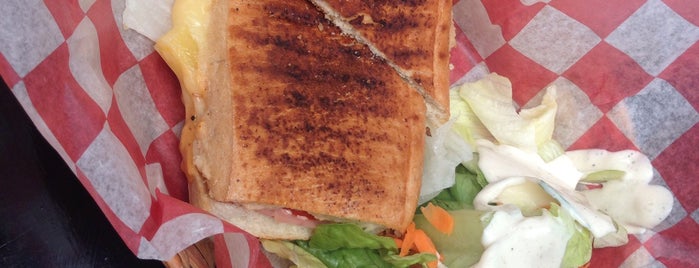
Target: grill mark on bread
{"x": 357, "y": 6}
{"x": 292, "y": 14}
{"x": 396, "y": 3}
{"x": 304, "y": 61}
{"x": 405, "y": 54}
{"x": 397, "y": 23}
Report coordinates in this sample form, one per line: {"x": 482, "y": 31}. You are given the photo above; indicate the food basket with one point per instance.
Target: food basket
{"x": 626, "y": 73}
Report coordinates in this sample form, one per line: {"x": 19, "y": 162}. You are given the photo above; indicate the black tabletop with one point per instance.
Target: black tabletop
{"x": 47, "y": 218}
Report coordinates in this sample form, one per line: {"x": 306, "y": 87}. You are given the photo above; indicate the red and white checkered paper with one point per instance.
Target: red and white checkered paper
{"x": 627, "y": 73}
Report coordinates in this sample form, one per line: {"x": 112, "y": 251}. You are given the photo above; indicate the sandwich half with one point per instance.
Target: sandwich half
{"x": 413, "y": 36}
{"x": 290, "y": 122}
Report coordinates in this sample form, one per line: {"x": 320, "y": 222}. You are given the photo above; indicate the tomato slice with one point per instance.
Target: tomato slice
{"x": 291, "y": 216}
{"x": 302, "y": 213}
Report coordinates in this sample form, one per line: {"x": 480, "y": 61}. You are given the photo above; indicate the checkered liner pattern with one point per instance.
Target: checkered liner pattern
{"x": 626, "y": 72}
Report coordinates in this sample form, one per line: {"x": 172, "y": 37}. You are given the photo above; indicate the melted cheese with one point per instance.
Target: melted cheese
{"x": 180, "y": 49}
{"x": 181, "y": 45}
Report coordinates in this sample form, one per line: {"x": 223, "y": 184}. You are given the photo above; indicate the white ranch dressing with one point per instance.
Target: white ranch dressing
{"x": 499, "y": 162}
{"x": 635, "y": 205}
{"x": 631, "y": 201}
{"x": 512, "y": 240}
{"x": 636, "y": 166}
{"x": 540, "y": 241}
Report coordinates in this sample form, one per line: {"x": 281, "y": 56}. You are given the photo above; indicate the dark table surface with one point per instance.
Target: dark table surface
{"x": 47, "y": 218}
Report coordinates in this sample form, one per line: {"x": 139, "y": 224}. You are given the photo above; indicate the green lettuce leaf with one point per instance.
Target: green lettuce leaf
{"x": 472, "y": 167}
{"x": 296, "y": 254}
{"x": 461, "y": 194}
{"x": 604, "y": 175}
{"x": 410, "y": 260}
{"x": 466, "y": 187}
{"x": 347, "y": 235}
{"x": 446, "y": 201}
{"x": 579, "y": 247}
{"x": 347, "y": 245}
{"x": 349, "y": 257}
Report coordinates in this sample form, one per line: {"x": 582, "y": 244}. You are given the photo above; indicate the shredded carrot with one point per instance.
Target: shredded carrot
{"x": 417, "y": 240}
{"x": 398, "y": 241}
{"x": 439, "y": 218}
{"x": 424, "y": 245}
{"x": 408, "y": 240}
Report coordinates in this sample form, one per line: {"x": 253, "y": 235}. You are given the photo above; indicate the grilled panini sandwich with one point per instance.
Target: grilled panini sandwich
{"x": 290, "y": 122}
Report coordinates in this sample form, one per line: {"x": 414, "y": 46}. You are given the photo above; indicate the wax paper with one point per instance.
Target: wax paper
{"x": 627, "y": 73}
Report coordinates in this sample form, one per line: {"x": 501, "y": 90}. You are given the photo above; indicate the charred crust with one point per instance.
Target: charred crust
{"x": 398, "y": 23}
{"x": 291, "y": 14}
{"x": 404, "y": 54}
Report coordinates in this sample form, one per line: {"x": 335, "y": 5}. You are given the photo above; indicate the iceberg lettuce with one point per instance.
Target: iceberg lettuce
{"x": 490, "y": 100}
{"x": 579, "y": 247}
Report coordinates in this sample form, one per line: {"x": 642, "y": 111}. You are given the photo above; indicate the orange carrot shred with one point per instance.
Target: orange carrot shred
{"x": 398, "y": 241}
{"x": 408, "y": 240}
{"x": 439, "y": 218}
{"x": 424, "y": 245}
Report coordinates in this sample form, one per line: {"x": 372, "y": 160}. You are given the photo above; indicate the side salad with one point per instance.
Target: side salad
{"x": 499, "y": 191}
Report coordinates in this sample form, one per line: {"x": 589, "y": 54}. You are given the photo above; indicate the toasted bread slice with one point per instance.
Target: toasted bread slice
{"x": 285, "y": 111}
{"x": 413, "y": 36}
